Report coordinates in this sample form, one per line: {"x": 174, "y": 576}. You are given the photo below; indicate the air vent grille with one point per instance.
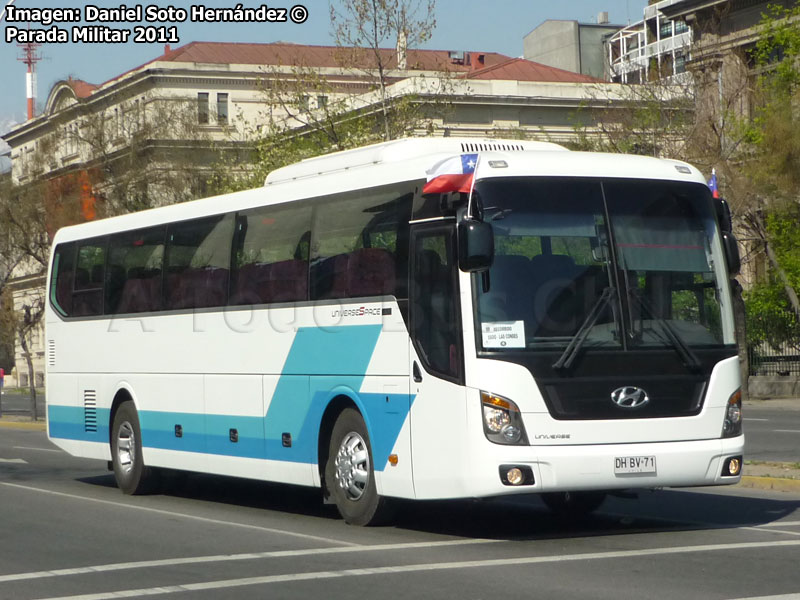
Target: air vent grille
{"x": 489, "y": 147}
{"x": 90, "y": 411}
{"x": 51, "y": 353}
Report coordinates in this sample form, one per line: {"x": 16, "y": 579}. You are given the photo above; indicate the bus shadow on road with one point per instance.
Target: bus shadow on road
{"x": 233, "y": 491}
{"x": 509, "y": 518}
{"x": 526, "y": 517}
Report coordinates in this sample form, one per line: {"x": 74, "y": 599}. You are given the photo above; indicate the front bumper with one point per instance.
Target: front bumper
{"x": 574, "y": 468}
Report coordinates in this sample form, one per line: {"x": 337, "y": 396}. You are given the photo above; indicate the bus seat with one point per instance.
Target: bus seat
{"x": 555, "y": 294}
{"x": 81, "y": 279}
{"x": 97, "y": 276}
{"x": 141, "y": 292}
{"x": 252, "y": 284}
{"x": 509, "y": 272}
{"x": 288, "y": 281}
{"x": 370, "y": 272}
{"x": 330, "y": 277}
{"x": 64, "y": 290}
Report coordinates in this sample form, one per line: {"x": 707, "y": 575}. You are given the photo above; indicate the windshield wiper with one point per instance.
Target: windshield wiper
{"x": 576, "y": 343}
{"x": 685, "y": 352}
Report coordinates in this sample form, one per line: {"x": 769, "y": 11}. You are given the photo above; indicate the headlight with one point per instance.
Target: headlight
{"x": 732, "y": 426}
{"x": 502, "y": 421}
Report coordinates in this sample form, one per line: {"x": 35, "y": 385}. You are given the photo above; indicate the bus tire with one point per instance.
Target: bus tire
{"x": 573, "y": 504}
{"x": 132, "y": 475}
{"x": 349, "y": 472}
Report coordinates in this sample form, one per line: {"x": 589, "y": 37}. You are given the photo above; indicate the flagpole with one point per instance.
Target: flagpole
{"x": 472, "y": 186}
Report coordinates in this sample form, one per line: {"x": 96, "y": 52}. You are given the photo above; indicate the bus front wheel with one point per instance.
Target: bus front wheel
{"x": 349, "y": 472}
{"x": 132, "y": 476}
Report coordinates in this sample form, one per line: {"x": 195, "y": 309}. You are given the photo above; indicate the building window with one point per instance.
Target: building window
{"x": 202, "y": 108}
{"x": 222, "y": 109}
{"x": 680, "y": 63}
{"x": 322, "y": 101}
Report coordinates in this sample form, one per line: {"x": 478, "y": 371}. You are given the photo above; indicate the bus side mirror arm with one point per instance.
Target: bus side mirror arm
{"x": 475, "y": 246}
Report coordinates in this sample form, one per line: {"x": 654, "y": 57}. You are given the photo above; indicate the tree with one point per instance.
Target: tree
{"x": 371, "y": 96}
{"x": 361, "y": 31}
{"x": 774, "y": 141}
{"x": 103, "y": 161}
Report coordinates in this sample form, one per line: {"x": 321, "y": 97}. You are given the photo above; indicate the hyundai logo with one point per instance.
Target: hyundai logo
{"x": 629, "y": 397}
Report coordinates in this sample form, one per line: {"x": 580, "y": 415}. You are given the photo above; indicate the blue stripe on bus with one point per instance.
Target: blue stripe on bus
{"x": 321, "y": 364}
{"x": 69, "y": 423}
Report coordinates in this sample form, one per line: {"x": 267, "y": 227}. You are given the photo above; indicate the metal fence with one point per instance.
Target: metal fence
{"x": 773, "y": 346}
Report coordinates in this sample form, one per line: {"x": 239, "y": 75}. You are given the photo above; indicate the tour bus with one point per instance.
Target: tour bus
{"x": 531, "y": 320}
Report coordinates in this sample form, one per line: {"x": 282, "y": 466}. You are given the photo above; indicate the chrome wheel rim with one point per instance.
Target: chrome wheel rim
{"x": 126, "y": 447}
{"x": 352, "y": 466}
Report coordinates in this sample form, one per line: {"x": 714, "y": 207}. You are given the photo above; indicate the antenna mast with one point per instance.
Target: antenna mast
{"x": 30, "y": 56}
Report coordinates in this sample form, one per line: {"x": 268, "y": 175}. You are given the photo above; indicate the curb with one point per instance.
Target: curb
{"x": 28, "y": 425}
{"x": 778, "y": 484}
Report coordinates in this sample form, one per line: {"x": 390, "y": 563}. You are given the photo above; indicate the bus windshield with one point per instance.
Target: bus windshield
{"x": 619, "y": 264}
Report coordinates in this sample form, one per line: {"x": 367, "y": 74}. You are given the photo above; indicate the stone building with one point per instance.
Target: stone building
{"x": 128, "y": 140}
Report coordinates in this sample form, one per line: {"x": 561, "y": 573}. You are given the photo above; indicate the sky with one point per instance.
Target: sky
{"x": 478, "y": 25}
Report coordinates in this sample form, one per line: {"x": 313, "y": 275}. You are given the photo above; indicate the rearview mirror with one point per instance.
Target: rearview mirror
{"x": 731, "y": 253}
{"x": 723, "y": 210}
{"x": 475, "y": 246}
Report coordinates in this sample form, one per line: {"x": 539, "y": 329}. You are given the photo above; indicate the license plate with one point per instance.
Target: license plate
{"x": 624, "y": 465}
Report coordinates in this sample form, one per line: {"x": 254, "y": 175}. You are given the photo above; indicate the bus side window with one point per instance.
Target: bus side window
{"x": 63, "y": 278}
{"x": 435, "y": 316}
{"x": 135, "y": 261}
{"x": 87, "y": 295}
{"x": 357, "y": 248}
{"x": 271, "y": 256}
{"x": 198, "y": 263}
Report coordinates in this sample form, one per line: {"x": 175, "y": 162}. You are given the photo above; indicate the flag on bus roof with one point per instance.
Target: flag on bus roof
{"x": 712, "y": 184}
{"x": 452, "y": 174}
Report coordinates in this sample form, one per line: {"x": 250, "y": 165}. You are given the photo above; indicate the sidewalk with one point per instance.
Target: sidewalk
{"x": 782, "y": 477}
{"x": 22, "y": 422}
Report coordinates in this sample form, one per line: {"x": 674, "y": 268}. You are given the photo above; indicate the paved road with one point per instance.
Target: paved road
{"x": 66, "y": 531}
{"x": 772, "y": 431}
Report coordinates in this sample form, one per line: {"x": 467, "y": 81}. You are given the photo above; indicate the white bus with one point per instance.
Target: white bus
{"x": 563, "y": 326}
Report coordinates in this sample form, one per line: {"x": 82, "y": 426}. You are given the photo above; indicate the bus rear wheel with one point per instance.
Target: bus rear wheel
{"x": 349, "y": 472}
{"x": 132, "y": 475}
{"x": 573, "y": 504}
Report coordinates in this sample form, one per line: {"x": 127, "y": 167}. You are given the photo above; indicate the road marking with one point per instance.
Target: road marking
{"x": 169, "y": 562}
{"x": 418, "y": 568}
{"x": 781, "y": 524}
{"x": 182, "y": 515}
{"x": 752, "y": 419}
{"x": 786, "y": 430}
{"x": 38, "y": 449}
{"x": 14, "y": 460}
{"x": 783, "y": 531}
{"x": 780, "y": 597}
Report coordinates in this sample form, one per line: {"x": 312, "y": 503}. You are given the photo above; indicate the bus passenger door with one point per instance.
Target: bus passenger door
{"x": 438, "y": 410}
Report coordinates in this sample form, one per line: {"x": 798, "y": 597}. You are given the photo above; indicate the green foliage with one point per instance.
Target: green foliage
{"x": 782, "y": 230}
{"x": 778, "y": 46}
{"x": 770, "y": 319}
{"x": 773, "y": 136}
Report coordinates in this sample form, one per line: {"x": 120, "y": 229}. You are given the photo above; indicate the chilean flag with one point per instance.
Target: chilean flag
{"x": 712, "y": 184}
{"x": 452, "y": 174}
